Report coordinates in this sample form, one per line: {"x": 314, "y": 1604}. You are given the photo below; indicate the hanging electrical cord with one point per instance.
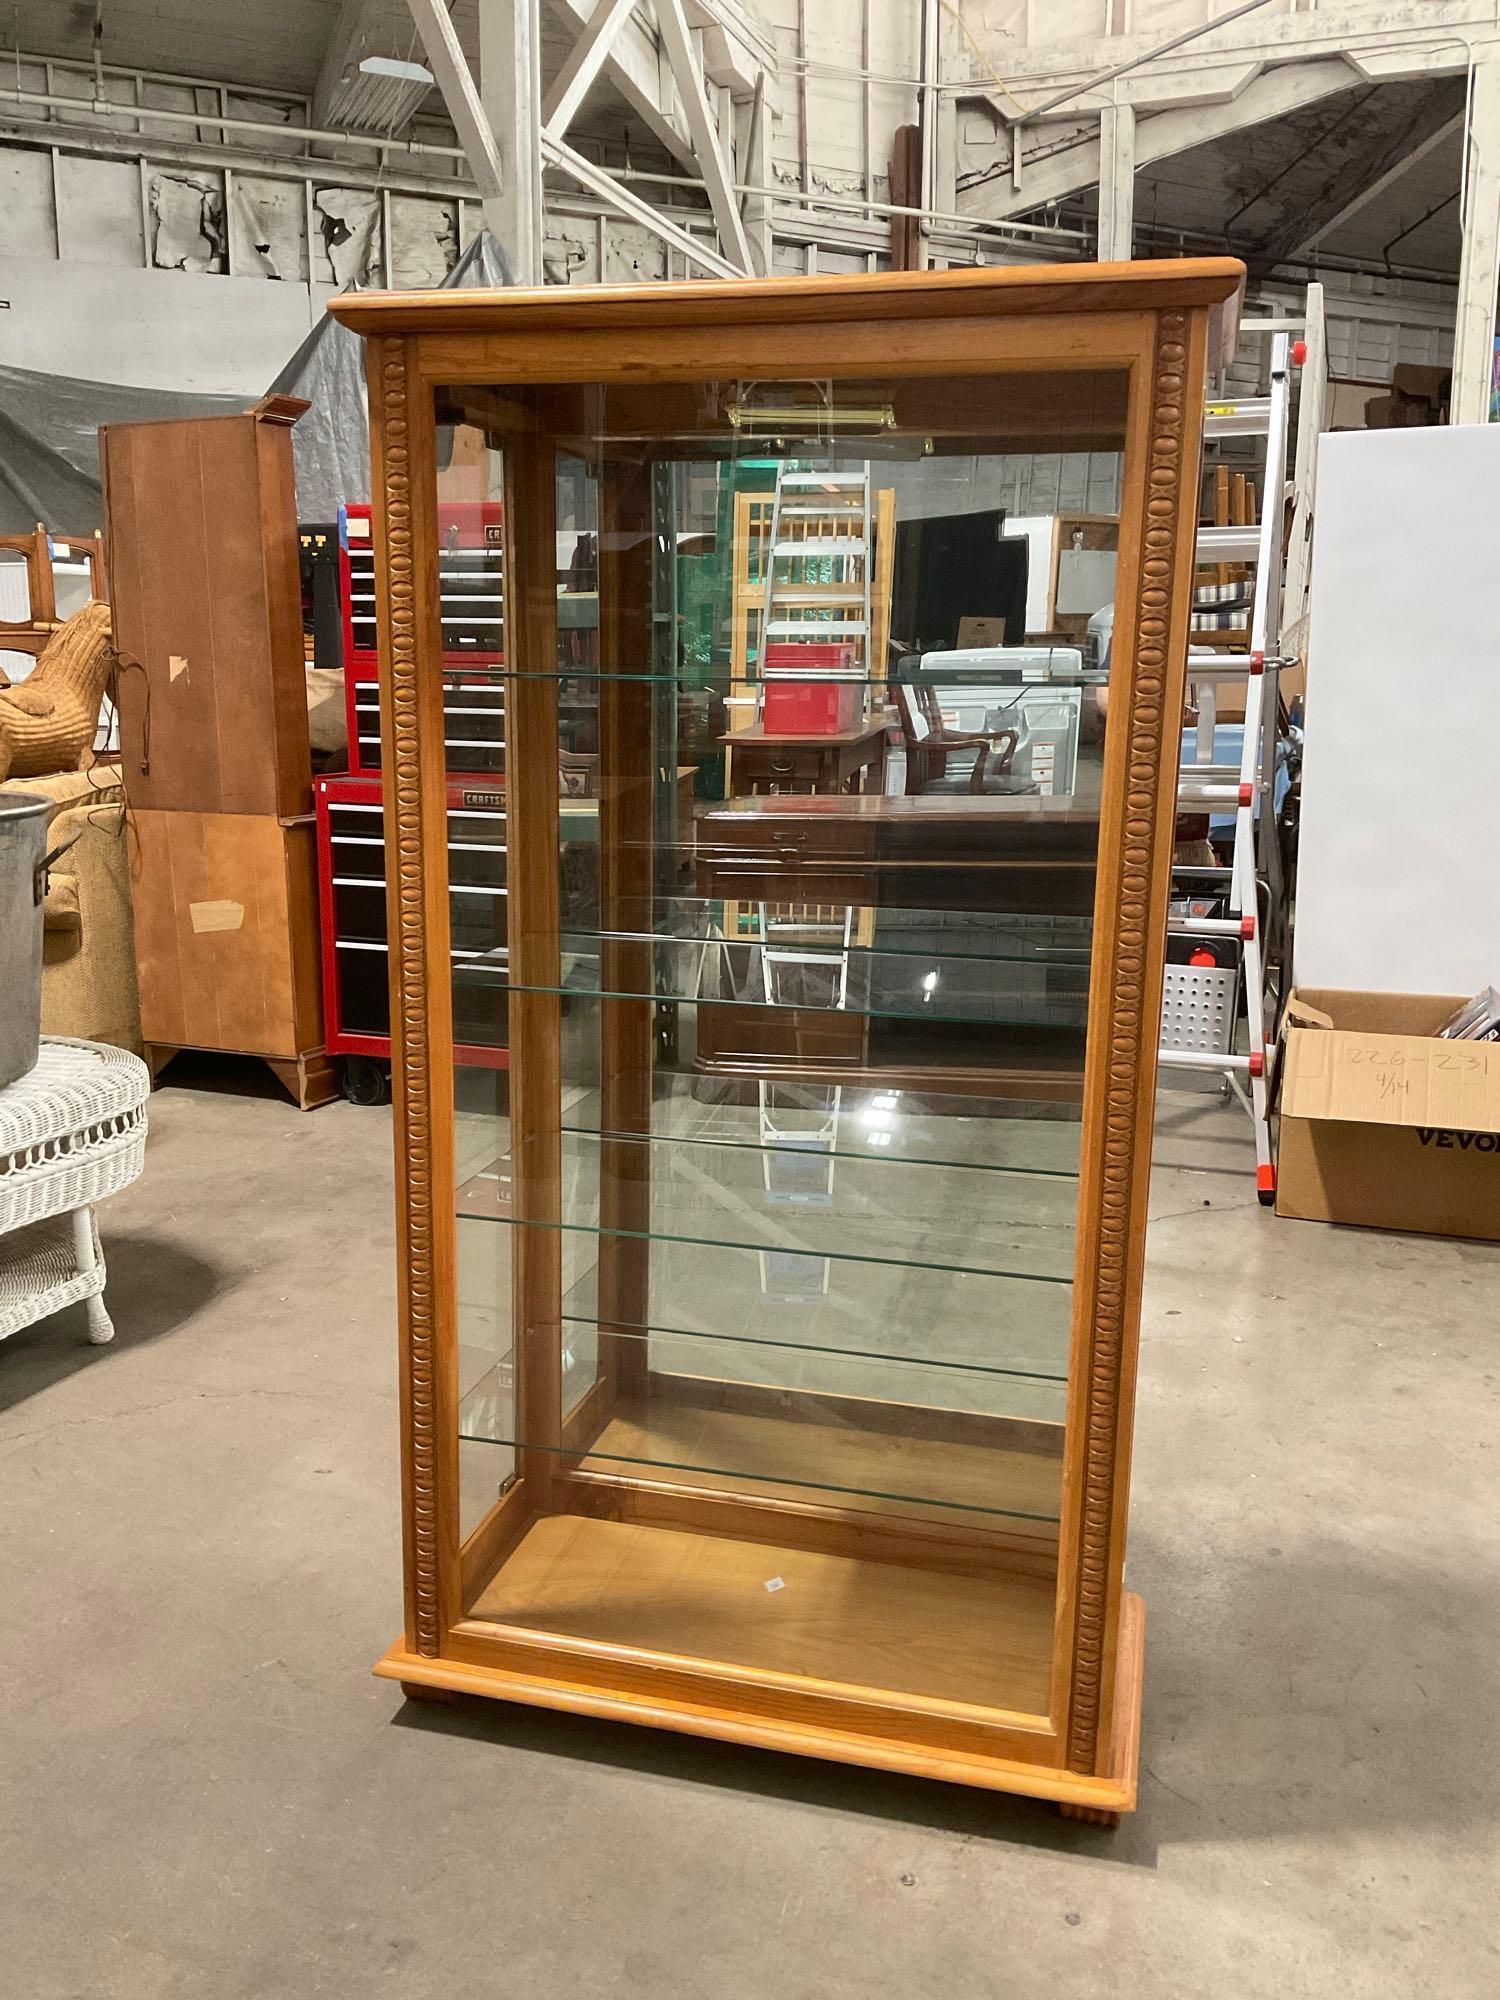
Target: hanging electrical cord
{"x": 379, "y": 214}
{"x": 983, "y": 60}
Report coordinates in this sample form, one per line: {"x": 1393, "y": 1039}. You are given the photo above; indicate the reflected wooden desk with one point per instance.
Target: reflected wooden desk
{"x": 835, "y": 763}
{"x": 899, "y": 859}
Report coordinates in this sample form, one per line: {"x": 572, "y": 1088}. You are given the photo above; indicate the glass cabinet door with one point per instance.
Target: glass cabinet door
{"x": 767, "y": 1238}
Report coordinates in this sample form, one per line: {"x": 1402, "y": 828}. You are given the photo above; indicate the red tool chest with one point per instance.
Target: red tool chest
{"x": 350, "y": 822}
{"x": 471, "y": 589}
{"x": 352, "y": 888}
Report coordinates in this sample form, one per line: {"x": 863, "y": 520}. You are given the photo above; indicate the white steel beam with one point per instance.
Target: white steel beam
{"x": 631, "y": 67}
{"x": 1312, "y": 415}
{"x": 510, "y": 92}
{"x": 1116, "y": 183}
{"x": 1139, "y": 58}
{"x": 1399, "y": 38}
{"x": 448, "y": 65}
{"x": 558, "y": 153}
{"x": 925, "y": 197}
{"x": 755, "y": 162}
{"x": 1479, "y": 265}
{"x": 718, "y": 176}
{"x": 585, "y": 60}
{"x": 1061, "y": 168}
{"x": 736, "y": 51}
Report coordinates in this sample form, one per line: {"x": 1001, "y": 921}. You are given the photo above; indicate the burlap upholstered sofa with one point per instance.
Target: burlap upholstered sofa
{"x": 88, "y": 943}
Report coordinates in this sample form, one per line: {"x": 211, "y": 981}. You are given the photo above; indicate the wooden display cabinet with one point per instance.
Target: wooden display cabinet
{"x": 791, "y": 1407}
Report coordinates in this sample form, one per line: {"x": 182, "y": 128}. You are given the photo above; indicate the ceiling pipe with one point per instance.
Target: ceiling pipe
{"x": 321, "y": 135}
{"x": 376, "y": 143}
{"x": 1412, "y": 227}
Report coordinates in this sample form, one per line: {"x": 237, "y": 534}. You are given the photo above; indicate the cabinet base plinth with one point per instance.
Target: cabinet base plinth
{"x": 1099, "y": 1800}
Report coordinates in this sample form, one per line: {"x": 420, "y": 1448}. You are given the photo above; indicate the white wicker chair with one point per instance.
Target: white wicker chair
{"x": 72, "y": 1131}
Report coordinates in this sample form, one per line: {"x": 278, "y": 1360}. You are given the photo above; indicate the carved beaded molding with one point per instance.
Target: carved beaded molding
{"x": 1129, "y": 1029}
{"x": 416, "y": 1217}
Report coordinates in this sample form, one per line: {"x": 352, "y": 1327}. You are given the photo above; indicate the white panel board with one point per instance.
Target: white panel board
{"x": 100, "y": 204}
{"x": 156, "y": 329}
{"x": 1399, "y": 869}
{"x": 1085, "y": 581}
{"x": 1040, "y": 531}
{"x": 27, "y": 227}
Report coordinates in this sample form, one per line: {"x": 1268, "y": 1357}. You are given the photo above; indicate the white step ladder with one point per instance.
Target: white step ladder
{"x": 1200, "y": 1014}
{"x": 819, "y": 518}
{"x": 799, "y": 1123}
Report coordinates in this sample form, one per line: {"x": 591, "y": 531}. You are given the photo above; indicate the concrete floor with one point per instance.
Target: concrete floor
{"x": 206, "y": 1795}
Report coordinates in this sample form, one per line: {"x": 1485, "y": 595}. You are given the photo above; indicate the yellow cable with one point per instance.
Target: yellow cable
{"x": 984, "y": 61}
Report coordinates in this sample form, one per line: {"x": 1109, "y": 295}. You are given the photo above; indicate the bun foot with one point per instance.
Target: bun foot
{"x": 1090, "y": 1815}
{"x": 419, "y": 1691}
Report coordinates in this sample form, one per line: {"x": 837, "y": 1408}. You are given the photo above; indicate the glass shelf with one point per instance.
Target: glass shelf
{"x": 739, "y": 1357}
{"x": 799, "y": 1251}
{"x": 859, "y": 1426}
{"x": 1002, "y": 679}
{"x": 1065, "y": 1014}
{"x": 865, "y": 1208}
{"x": 810, "y": 931}
{"x": 643, "y": 1444}
{"x": 796, "y": 1300}
{"x": 973, "y": 972}
{"x": 890, "y": 1144}
{"x": 917, "y": 1127}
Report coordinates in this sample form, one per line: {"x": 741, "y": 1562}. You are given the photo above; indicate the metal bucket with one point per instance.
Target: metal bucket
{"x": 23, "y": 882}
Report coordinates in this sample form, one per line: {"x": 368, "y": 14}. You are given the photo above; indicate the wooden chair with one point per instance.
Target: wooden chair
{"x": 929, "y": 744}
{"x": 37, "y": 552}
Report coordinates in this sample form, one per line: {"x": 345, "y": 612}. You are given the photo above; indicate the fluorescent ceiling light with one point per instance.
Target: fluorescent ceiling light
{"x": 404, "y": 72}
{"x": 802, "y": 417}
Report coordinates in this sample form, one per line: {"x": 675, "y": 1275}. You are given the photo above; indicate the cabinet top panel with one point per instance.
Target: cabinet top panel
{"x": 999, "y": 290}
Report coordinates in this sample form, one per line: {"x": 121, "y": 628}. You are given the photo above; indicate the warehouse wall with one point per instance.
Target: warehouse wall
{"x": 167, "y": 266}
{"x": 162, "y": 260}
{"x": 151, "y": 329}
{"x": 822, "y": 123}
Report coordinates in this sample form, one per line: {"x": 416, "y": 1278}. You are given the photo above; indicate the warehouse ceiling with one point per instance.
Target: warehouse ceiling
{"x": 1269, "y": 191}
{"x": 276, "y": 45}
{"x": 1367, "y": 178}
{"x": 272, "y": 44}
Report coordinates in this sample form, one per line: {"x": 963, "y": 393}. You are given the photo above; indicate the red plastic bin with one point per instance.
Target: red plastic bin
{"x": 839, "y": 655}
{"x": 795, "y": 704}
{"x": 809, "y": 708}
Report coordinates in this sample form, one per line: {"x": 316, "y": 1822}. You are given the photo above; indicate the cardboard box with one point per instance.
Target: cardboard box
{"x": 1418, "y": 397}
{"x": 1425, "y": 392}
{"x": 1382, "y": 1123}
{"x": 980, "y": 632}
{"x": 1347, "y": 397}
